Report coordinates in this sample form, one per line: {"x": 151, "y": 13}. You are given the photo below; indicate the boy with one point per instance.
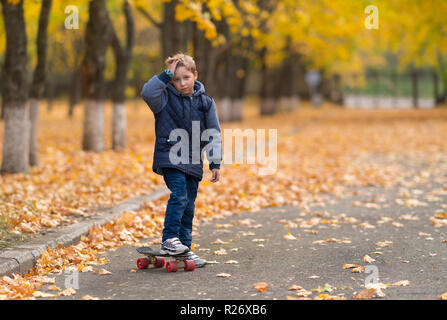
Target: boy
{"x": 179, "y": 104}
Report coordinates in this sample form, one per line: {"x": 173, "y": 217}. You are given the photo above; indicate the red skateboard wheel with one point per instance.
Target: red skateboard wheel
{"x": 171, "y": 266}
{"x": 189, "y": 265}
{"x": 159, "y": 262}
{"x": 142, "y": 263}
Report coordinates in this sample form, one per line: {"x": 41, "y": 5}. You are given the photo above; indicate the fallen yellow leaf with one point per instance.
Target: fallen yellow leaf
{"x": 261, "y": 286}
{"x": 402, "y": 283}
{"x": 365, "y": 294}
{"x": 295, "y": 287}
{"x": 104, "y": 272}
{"x": 441, "y": 215}
{"x": 54, "y": 288}
{"x": 68, "y": 292}
{"x": 220, "y": 252}
{"x": 223, "y": 275}
{"x": 290, "y": 237}
{"x": 40, "y": 294}
{"x": 359, "y": 269}
{"x": 218, "y": 241}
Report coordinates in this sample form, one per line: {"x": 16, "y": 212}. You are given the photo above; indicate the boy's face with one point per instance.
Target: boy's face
{"x": 183, "y": 80}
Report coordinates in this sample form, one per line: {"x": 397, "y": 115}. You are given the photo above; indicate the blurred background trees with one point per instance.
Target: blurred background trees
{"x": 101, "y": 50}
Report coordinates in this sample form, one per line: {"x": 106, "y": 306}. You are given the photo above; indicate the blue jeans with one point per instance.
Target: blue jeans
{"x": 180, "y": 208}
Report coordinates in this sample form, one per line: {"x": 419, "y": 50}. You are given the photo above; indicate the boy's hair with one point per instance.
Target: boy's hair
{"x": 185, "y": 61}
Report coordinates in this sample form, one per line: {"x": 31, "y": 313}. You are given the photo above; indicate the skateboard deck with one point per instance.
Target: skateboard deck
{"x": 156, "y": 258}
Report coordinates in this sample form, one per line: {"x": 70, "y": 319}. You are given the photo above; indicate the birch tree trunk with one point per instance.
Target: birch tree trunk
{"x": 122, "y": 58}
{"x": 415, "y": 88}
{"x": 237, "y": 79}
{"x": 75, "y": 79}
{"x": 173, "y": 33}
{"x": 34, "y": 108}
{"x": 291, "y": 70}
{"x": 269, "y": 103}
{"x": 37, "y": 86}
{"x": 92, "y": 75}
{"x": 15, "y": 91}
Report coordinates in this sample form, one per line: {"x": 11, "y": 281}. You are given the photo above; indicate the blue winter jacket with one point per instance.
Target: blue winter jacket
{"x": 174, "y": 110}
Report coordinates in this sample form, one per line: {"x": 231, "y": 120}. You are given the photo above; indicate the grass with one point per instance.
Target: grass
{"x": 5, "y": 236}
{"x": 386, "y": 85}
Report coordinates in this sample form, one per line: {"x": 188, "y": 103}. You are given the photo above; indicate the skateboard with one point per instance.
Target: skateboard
{"x": 156, "y": 258}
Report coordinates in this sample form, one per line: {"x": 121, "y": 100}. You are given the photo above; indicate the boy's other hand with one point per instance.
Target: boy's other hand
{"x": 216, "y": 175}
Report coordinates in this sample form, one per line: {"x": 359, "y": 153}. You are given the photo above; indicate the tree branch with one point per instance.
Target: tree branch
{"x": 149, "y": 17}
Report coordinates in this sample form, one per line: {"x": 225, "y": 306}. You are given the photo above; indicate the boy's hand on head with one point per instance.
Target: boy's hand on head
{"x": 173, "y": 65}
{"x": 216, "y": 175}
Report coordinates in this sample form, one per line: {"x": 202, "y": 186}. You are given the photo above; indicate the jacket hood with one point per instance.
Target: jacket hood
{"x": 199, "y": 88}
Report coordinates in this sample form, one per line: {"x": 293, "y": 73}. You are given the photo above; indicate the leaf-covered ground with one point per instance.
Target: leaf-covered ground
{"x": 319, "y": 150}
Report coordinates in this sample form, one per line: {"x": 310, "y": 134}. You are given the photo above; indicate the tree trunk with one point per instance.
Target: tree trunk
{"x": 208, "y": 58}
{"x": 34, "y": 108}
{"x": 92, "y": 71}
{"x": 269, "y": 101}
{"x": 203, "y": 53}
{"x": 336, "y": 89}
{"x": 268, "y": 98}
{"x": 75, "y": 92}
{"x": 38, "y": 84}
{"x": 122, "y": 59}
{"x": 395, "y": 87}
{"x": 93, "y": 126}
{"x": 224, "y": 109}
{"x": 49, "y": 84}
{"x": 15, "y": 91}
{"x": 75, "y": 81}
{"x": 228, "y": 88}
{"x": 266, "y": 104}
{"x": 443, "y": 73}
{"x": 415, "y": 88}
{"x": 222, "y": 90}
{"x": 228, "y": 109}
{"x": 16, "y": 139}
{"x": 211, "y": 63}
{"x": 237, "y": 79}
{"x": 435, "y": 87}
{"x": 119, "y": 126}
{"x": 443, "y": 97}
{"x": 172, "y": 31}
{"x": 290, "y": 71}
{"x": 270, "y": 86}
{"x": 438, "y": 97}
{"x": 2, "y": 106}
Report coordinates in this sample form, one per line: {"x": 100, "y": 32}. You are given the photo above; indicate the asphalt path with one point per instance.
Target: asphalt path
{"x": 285, "y": 246}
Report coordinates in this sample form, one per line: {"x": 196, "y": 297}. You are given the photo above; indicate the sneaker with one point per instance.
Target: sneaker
{"x": 173, "y": 246}
{"x": 199, "y": 262}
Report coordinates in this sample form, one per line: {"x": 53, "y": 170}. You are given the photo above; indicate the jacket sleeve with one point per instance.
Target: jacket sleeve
{"x": 154, "y": 92}
{"x": 212, "y": 122}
